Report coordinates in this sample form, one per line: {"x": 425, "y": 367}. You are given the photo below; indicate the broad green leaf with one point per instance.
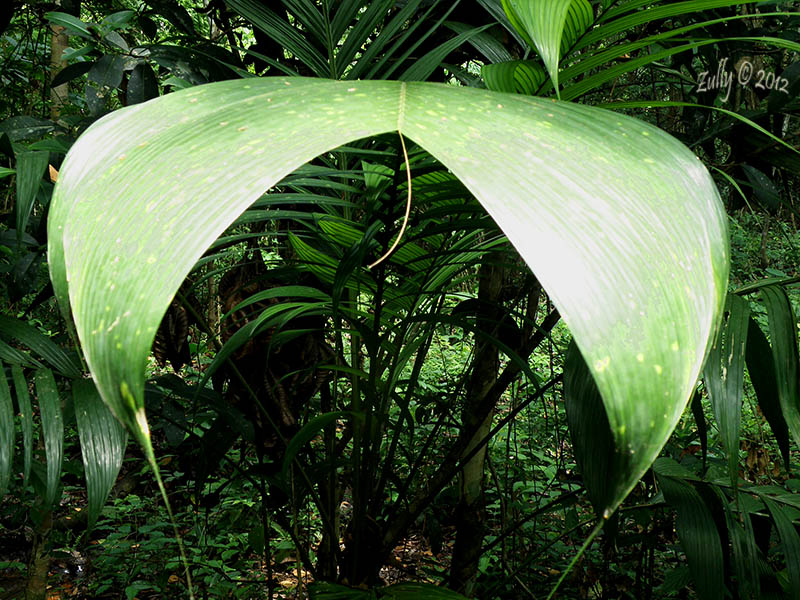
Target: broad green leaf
{"x": 74, "y": 24}
{"x": 6, "y": 433}
{"x": 5, "y": 172}
{"x": 761, "y": 369}
{"x": 516, "y": 76}
{"x": 541, "y": 23}
{"x": 142, "y": 84}
{"x": 790, "y": 544}
{"x": 103, "y": 441}
{"x": 630, "y": 241}
{"x": 782, "y": 333}
{"x": 699, "y": 537}
{"x": 26, "y": 412}
{"x": 71, "y": 72}
{"x": 53, "y": 429}
{"x": 724, "y": 377}
{"x": 31, "y": 165}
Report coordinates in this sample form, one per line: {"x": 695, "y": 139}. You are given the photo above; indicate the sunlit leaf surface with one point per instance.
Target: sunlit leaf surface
{"x": 620, "y": 222}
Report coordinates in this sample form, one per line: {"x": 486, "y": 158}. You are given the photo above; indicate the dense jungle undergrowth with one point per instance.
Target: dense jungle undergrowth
{"x": 362, "y": 388}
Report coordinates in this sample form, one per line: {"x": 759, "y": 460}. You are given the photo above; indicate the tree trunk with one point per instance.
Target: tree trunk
{"x": 470, "y": 509}
{"x": 59, "y": 41}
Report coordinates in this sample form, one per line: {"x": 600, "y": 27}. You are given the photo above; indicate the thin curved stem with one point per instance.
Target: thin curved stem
{"x": 408, "y": 209}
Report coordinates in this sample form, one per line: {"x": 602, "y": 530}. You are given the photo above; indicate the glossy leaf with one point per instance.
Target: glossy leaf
{"x": 6, "y": 433}
{"x": 71, "y": 72}
{"x": 699, "y": 537}
{"x": 724, "y": 377}
{"x": 53, "y": 429}
{"x": 142, "y": 84}
{"x": 26, "y": 412}
{"x": 103, "y": 441}
{"x": 594, "y": 230}
{"x": 31, "y": 166}
{"x": 70, "y": 22}
{"x": 782, "y": 333}
{"x": 541, "y": 23}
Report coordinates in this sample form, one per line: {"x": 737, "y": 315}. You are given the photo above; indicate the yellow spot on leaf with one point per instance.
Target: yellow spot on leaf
{"x": 601, "y": 364}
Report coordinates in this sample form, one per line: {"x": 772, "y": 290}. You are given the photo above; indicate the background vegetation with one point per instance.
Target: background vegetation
{"x": 469, "y": 473}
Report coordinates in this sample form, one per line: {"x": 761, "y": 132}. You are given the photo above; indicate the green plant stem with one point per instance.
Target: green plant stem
{"x": 151, "y": 459}
{"x": 597, "y": 528}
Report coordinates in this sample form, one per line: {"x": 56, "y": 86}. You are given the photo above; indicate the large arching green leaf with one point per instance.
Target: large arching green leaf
{"x": 619, "y": 221}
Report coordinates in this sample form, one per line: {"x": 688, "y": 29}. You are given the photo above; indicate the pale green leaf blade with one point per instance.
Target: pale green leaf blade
{"x": 6, "y": 433}
{"x": 26, "y": 413}
{"x": 724, "y": 377}
{"x": 216, "y": 125}
{"x": 580, "y": 225}
{"x": 542, "y": 22}
{"x": 103, "y": 441}
{"x": 53, "y": 429}
{"x": 589, "y": 198}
